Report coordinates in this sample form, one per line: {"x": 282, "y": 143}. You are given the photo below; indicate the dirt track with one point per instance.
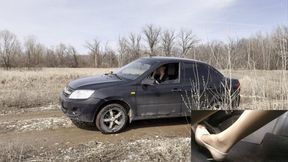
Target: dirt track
{"x": 45, "y": 134}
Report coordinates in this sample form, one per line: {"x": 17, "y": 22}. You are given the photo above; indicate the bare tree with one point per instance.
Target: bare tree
{"x": 109, "y": 57}
{"x": 259, "y": 51}
{"x": 72, "y": 52}
{"x": 9, "y": 48}
{"x": 94, "y": 48}
{"x": 29, "y": 46}
{"x": 50, "y": 58}
{"x": 280, "y": 37}
{"x": 61, "y": 53}
{"x": 134, "y": 45}
{"x": 216, "y": 51}
{"x": 123, "y": 51}
{"x": 187, "y": 42}
{"x": 34, "y": 52}
{"x": 129, "y": 48}
{"x": 168, "y": 38}
{"x": 152, "y": 34}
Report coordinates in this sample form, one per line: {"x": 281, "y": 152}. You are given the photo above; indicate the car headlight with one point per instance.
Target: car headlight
{"x": 81, "y": 94}
{"x": 67, "y": 91}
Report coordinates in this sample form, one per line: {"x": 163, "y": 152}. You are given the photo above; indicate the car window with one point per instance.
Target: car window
{"x": 196, "y": 73}
{"x": 166, "y": 74}
{"x": 202, "y": 74}
{"x": 134, "y": 69}
{"x": 215, "y": 75}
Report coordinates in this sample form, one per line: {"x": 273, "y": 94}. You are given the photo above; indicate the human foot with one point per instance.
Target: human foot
{"x": 201, "y": 137}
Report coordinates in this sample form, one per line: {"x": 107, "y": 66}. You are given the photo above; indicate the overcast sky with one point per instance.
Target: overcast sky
{"x": 77, "y": 21}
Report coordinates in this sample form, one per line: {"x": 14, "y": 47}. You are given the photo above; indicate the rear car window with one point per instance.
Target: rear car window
{"x": 201, "y": 73}
{"x": 195, "y": 73}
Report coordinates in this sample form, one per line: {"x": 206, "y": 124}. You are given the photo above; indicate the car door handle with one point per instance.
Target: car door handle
{"x": 176, "y": 90}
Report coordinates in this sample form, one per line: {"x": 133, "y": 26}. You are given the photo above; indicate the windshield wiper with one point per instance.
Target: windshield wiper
{"x": 116, "y": 75}
{"x": 111, "y": 73}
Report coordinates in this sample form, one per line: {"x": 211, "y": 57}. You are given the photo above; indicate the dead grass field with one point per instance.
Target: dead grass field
{"x": 27, "y": 88}
{"x": 262, "y": 89}
{"x": 20, "y": 88}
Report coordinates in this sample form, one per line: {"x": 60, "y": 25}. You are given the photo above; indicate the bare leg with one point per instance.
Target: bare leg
{"x": 248, "y": 122}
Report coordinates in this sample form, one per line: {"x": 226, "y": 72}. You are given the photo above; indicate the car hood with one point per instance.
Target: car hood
{"x": 94, "y": 81}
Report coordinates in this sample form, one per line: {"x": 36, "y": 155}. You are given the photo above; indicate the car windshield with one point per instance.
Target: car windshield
{"x": 134, "y": 69}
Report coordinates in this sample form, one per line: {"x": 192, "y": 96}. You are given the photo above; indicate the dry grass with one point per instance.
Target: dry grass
{"x": 26, "y": 88}
{"x": 260, "y": 89}
{"x": 160, "y": 149}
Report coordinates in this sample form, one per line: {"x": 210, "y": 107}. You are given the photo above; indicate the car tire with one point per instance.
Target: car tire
{"x": 111, "y": 119}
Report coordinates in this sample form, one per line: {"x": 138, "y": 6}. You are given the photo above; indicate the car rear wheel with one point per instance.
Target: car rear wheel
{"x": 112, "y": 118}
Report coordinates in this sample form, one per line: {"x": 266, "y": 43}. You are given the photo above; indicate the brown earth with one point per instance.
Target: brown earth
{"x": 45, "y": 134}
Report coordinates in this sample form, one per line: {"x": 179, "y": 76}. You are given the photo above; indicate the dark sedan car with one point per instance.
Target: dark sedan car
{"x": 147, "y": 88}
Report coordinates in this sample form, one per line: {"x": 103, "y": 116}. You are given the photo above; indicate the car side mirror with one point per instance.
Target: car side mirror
{"x": 148, "y": 81}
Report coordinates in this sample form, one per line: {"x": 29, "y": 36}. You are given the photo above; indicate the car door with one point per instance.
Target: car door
{"x": 194, "y": 86}
{"x": 162, "y": 99}
{"x": 188, "y": 86}
{"x": 216, "y": 87}
{"x": 201, "y": 86}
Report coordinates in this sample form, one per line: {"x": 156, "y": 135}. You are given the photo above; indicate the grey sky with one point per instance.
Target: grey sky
{"x": 77, "y": 21}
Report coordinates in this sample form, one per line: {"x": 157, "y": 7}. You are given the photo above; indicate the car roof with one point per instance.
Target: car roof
{"x": 163, "y": 58}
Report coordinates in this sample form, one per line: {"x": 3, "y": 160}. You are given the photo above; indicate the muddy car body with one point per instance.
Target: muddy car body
{"x": 113, "y": 99}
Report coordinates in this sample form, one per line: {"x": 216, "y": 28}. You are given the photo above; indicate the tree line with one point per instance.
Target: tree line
{"x": 261, "y": 51}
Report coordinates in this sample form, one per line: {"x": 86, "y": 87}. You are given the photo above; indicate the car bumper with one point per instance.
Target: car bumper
{"x": 80, "y": 110}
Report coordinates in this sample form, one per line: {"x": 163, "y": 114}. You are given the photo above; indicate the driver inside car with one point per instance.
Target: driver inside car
{"x": 159, "y": 75}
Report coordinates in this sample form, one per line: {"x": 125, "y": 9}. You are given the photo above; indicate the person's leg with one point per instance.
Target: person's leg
{"x": 248, "y": 122}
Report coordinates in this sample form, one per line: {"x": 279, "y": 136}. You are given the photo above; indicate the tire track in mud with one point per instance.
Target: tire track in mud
{"x": 41, "y": 119}
{"x": 33, "y": 119}
{"x": 48, "y": 135}
{"x": 35, "y": 124}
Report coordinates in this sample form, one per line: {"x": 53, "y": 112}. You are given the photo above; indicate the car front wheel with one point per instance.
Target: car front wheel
{"x": 112, "y": 118}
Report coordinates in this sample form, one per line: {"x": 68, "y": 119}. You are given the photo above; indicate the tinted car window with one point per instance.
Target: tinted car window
{"x": 195, "y": 73}
{"x": 215, "y": 76}
{"x": 202, "y": 73}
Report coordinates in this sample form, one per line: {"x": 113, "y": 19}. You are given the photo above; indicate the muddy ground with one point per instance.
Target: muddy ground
{"x": 45, "y": 134}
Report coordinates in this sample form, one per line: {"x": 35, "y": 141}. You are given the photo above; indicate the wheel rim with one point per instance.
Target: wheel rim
{"x": 113, "y": 119}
